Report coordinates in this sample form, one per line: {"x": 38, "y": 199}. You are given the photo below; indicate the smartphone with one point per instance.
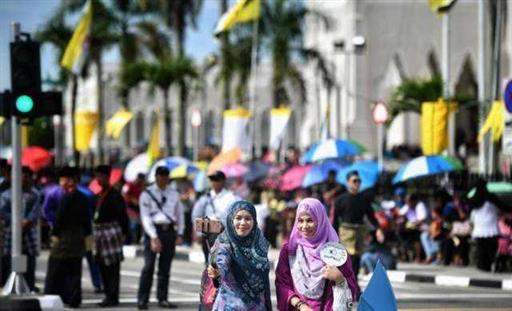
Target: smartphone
{"x": 207, "y": 225}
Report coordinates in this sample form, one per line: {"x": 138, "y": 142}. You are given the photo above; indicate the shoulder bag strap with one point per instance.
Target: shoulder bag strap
{"x": 158, "y": 205}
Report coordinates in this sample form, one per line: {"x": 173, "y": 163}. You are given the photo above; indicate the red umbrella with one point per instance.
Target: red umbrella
{"x": 36, "y": 158}
{"x": 115, "y": 177}
{"x": 293, "y": 178}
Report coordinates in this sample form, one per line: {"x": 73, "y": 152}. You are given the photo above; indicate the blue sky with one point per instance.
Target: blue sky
{"x": 33, "y": 14}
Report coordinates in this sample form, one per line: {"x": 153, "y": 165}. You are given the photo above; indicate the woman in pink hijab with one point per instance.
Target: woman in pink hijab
{"x": 303, "y": 281}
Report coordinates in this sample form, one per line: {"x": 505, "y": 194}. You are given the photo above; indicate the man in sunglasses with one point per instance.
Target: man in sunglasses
{"x": 347, "y": 216}
{"x": 162, "y": 216}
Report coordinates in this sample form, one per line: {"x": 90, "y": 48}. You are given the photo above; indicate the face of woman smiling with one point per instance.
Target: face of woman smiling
{"x": 306, "y": 225}
{"x": 243, "y": 223}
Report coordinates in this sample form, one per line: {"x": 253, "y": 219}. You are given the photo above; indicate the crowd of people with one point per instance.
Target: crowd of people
{"x": 62, "y": 214}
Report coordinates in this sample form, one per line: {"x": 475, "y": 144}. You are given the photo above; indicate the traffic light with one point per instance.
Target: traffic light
{"x": 25, "y": 77}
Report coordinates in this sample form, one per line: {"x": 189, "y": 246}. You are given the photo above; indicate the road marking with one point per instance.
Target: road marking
{"x": 446, "y": 280}
{"x": 444, "y": 296}
{"x": 507, "y": 284}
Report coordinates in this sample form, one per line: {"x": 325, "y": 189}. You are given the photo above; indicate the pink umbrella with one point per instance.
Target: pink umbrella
{"x": 235, "y": 170}
{"x": 293, "y": 178}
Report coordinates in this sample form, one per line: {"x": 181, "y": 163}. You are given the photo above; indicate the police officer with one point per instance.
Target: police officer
{"x": 162, "y": 217}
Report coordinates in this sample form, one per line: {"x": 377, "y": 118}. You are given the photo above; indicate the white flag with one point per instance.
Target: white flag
{"x": 235, "y": 132}
{"x": 279, "y": 118}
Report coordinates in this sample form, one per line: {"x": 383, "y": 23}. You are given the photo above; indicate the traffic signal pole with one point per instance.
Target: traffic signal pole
{"x": 16, "y": 284}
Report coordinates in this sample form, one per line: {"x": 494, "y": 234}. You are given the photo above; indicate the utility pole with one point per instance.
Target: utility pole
{"x": 445, "y": 52}
{"x": 482, "y": 145}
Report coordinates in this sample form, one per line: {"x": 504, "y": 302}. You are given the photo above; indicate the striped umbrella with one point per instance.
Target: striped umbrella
{"x": 426, "y": 166}
{"x": 332, "y": 149}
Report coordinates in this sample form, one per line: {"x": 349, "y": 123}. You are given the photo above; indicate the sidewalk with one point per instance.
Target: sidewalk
{"x": 407, "y": 272}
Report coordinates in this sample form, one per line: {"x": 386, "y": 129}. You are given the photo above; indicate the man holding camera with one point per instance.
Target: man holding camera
{"x": 214, "y": 205}
{"x": 163, "y": 221}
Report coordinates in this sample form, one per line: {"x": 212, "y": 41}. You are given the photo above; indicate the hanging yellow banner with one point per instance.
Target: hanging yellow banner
{"x": 85, "y": 125}
{"x": 495, "y": 122}
{"x": 154, "y": 143}
{"x": 434, "y": 126}
{"x": 115, "y": 125}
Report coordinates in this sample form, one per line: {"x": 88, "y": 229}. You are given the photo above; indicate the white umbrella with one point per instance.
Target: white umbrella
{"x": 139, "y": 164}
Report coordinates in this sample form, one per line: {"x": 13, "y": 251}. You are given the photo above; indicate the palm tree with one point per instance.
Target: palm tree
{"x": 282, "y": 31}
{"x": 57, "y": 33}
{"x": 162, "y": 75}
{"x": 178, "y": 15}
{"x": 103, "y": 35}
{"x": 409, "y": 95}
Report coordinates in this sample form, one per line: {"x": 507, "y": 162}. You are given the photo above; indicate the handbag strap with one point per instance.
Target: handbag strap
{"x": 158, "y": 205}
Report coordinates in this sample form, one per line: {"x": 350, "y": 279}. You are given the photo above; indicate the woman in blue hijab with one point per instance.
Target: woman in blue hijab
{"x": 240, "y": 255}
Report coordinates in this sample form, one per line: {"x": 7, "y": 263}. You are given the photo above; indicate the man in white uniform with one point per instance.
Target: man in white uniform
{"x": 162, "y": 217}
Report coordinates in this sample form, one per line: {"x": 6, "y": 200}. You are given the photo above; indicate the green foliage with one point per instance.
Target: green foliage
{"x": 412, "y": 92}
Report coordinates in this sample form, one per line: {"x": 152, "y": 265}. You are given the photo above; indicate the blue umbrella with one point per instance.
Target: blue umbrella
{"x": 426, "y": 166}
{"x": 368, "y": 171}
{"x": 320, "y": 172}
{"x": 332, "y": 149}
{"x": 378, "y": 295}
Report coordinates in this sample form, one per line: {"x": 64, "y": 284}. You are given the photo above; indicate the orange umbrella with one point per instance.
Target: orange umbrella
{"x": 223, "y": 159}
{"x": 36, "y": 158}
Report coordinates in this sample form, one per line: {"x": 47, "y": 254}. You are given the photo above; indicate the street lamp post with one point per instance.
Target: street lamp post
{"x": 356, "y": 47}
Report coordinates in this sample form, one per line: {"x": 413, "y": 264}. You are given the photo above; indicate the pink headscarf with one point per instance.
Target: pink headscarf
{"x": 324, "y": 231}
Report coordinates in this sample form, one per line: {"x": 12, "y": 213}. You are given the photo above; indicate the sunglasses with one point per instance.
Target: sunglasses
{"x": 356, "y": 181}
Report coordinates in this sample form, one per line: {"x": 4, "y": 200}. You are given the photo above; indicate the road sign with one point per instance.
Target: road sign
{"x": 508, "y": 96}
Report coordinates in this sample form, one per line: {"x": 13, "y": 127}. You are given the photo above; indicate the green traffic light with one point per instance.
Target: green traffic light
{"x": 24, "y": 104}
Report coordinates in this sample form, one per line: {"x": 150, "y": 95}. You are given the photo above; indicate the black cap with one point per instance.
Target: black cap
{"x": 103, "y": 169}
{"x": 162, "y": 171}
{"x": 217, "y": 176}
{"x": 3, "y": 163}
{"x": 141, "y": 176}
{"x": 68, "y": 171}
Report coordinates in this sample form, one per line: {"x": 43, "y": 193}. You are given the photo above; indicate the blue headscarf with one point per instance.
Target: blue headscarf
{"x": 251, "y": 266}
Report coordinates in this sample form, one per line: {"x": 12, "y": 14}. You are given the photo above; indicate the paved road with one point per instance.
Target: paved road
{"x": 185, "y": 278}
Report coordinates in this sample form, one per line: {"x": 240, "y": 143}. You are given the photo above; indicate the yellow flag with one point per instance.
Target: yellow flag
{"x": 242, "y": 11}
{"x": 76, "y": 51}
{"x": 154, "y": 143}
{"x": 440, "y": 6}
{"x": 24, "y": 136}
{"x": 85, "y": 125}
{"x": 495, "y": 122}
{"x": 434, "y": 126}
{"x": 115, "y": 125}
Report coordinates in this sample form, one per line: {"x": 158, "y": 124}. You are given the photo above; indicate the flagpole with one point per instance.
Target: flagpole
{"x": 252, "y": 90}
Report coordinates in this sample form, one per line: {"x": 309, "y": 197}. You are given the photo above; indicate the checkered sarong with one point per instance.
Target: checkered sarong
{"x": 109, "y": 243}
{"x": 29, "y": 238}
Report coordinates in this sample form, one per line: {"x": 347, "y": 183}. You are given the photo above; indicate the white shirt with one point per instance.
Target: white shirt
{"x": 214, "y": 205}
{"x": 485, "y": 221}
{"x": 150, "y": 214}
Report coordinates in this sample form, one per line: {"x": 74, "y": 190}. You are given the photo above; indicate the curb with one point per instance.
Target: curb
{"x": 446, "y": 280}
{"x": 195, "y": 254}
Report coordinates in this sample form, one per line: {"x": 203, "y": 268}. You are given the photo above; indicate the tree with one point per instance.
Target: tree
{"x": 178, "y": 15}
{"x": 104, "y": 34}
{"x": 282, "y": 28}
{"x": 162, "y": 75}
{"x": 409, "y": 95}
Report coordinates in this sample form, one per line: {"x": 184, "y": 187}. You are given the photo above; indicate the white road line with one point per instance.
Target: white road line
{"x": 445, "y": 296}
{"x": 446, "y": 280}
